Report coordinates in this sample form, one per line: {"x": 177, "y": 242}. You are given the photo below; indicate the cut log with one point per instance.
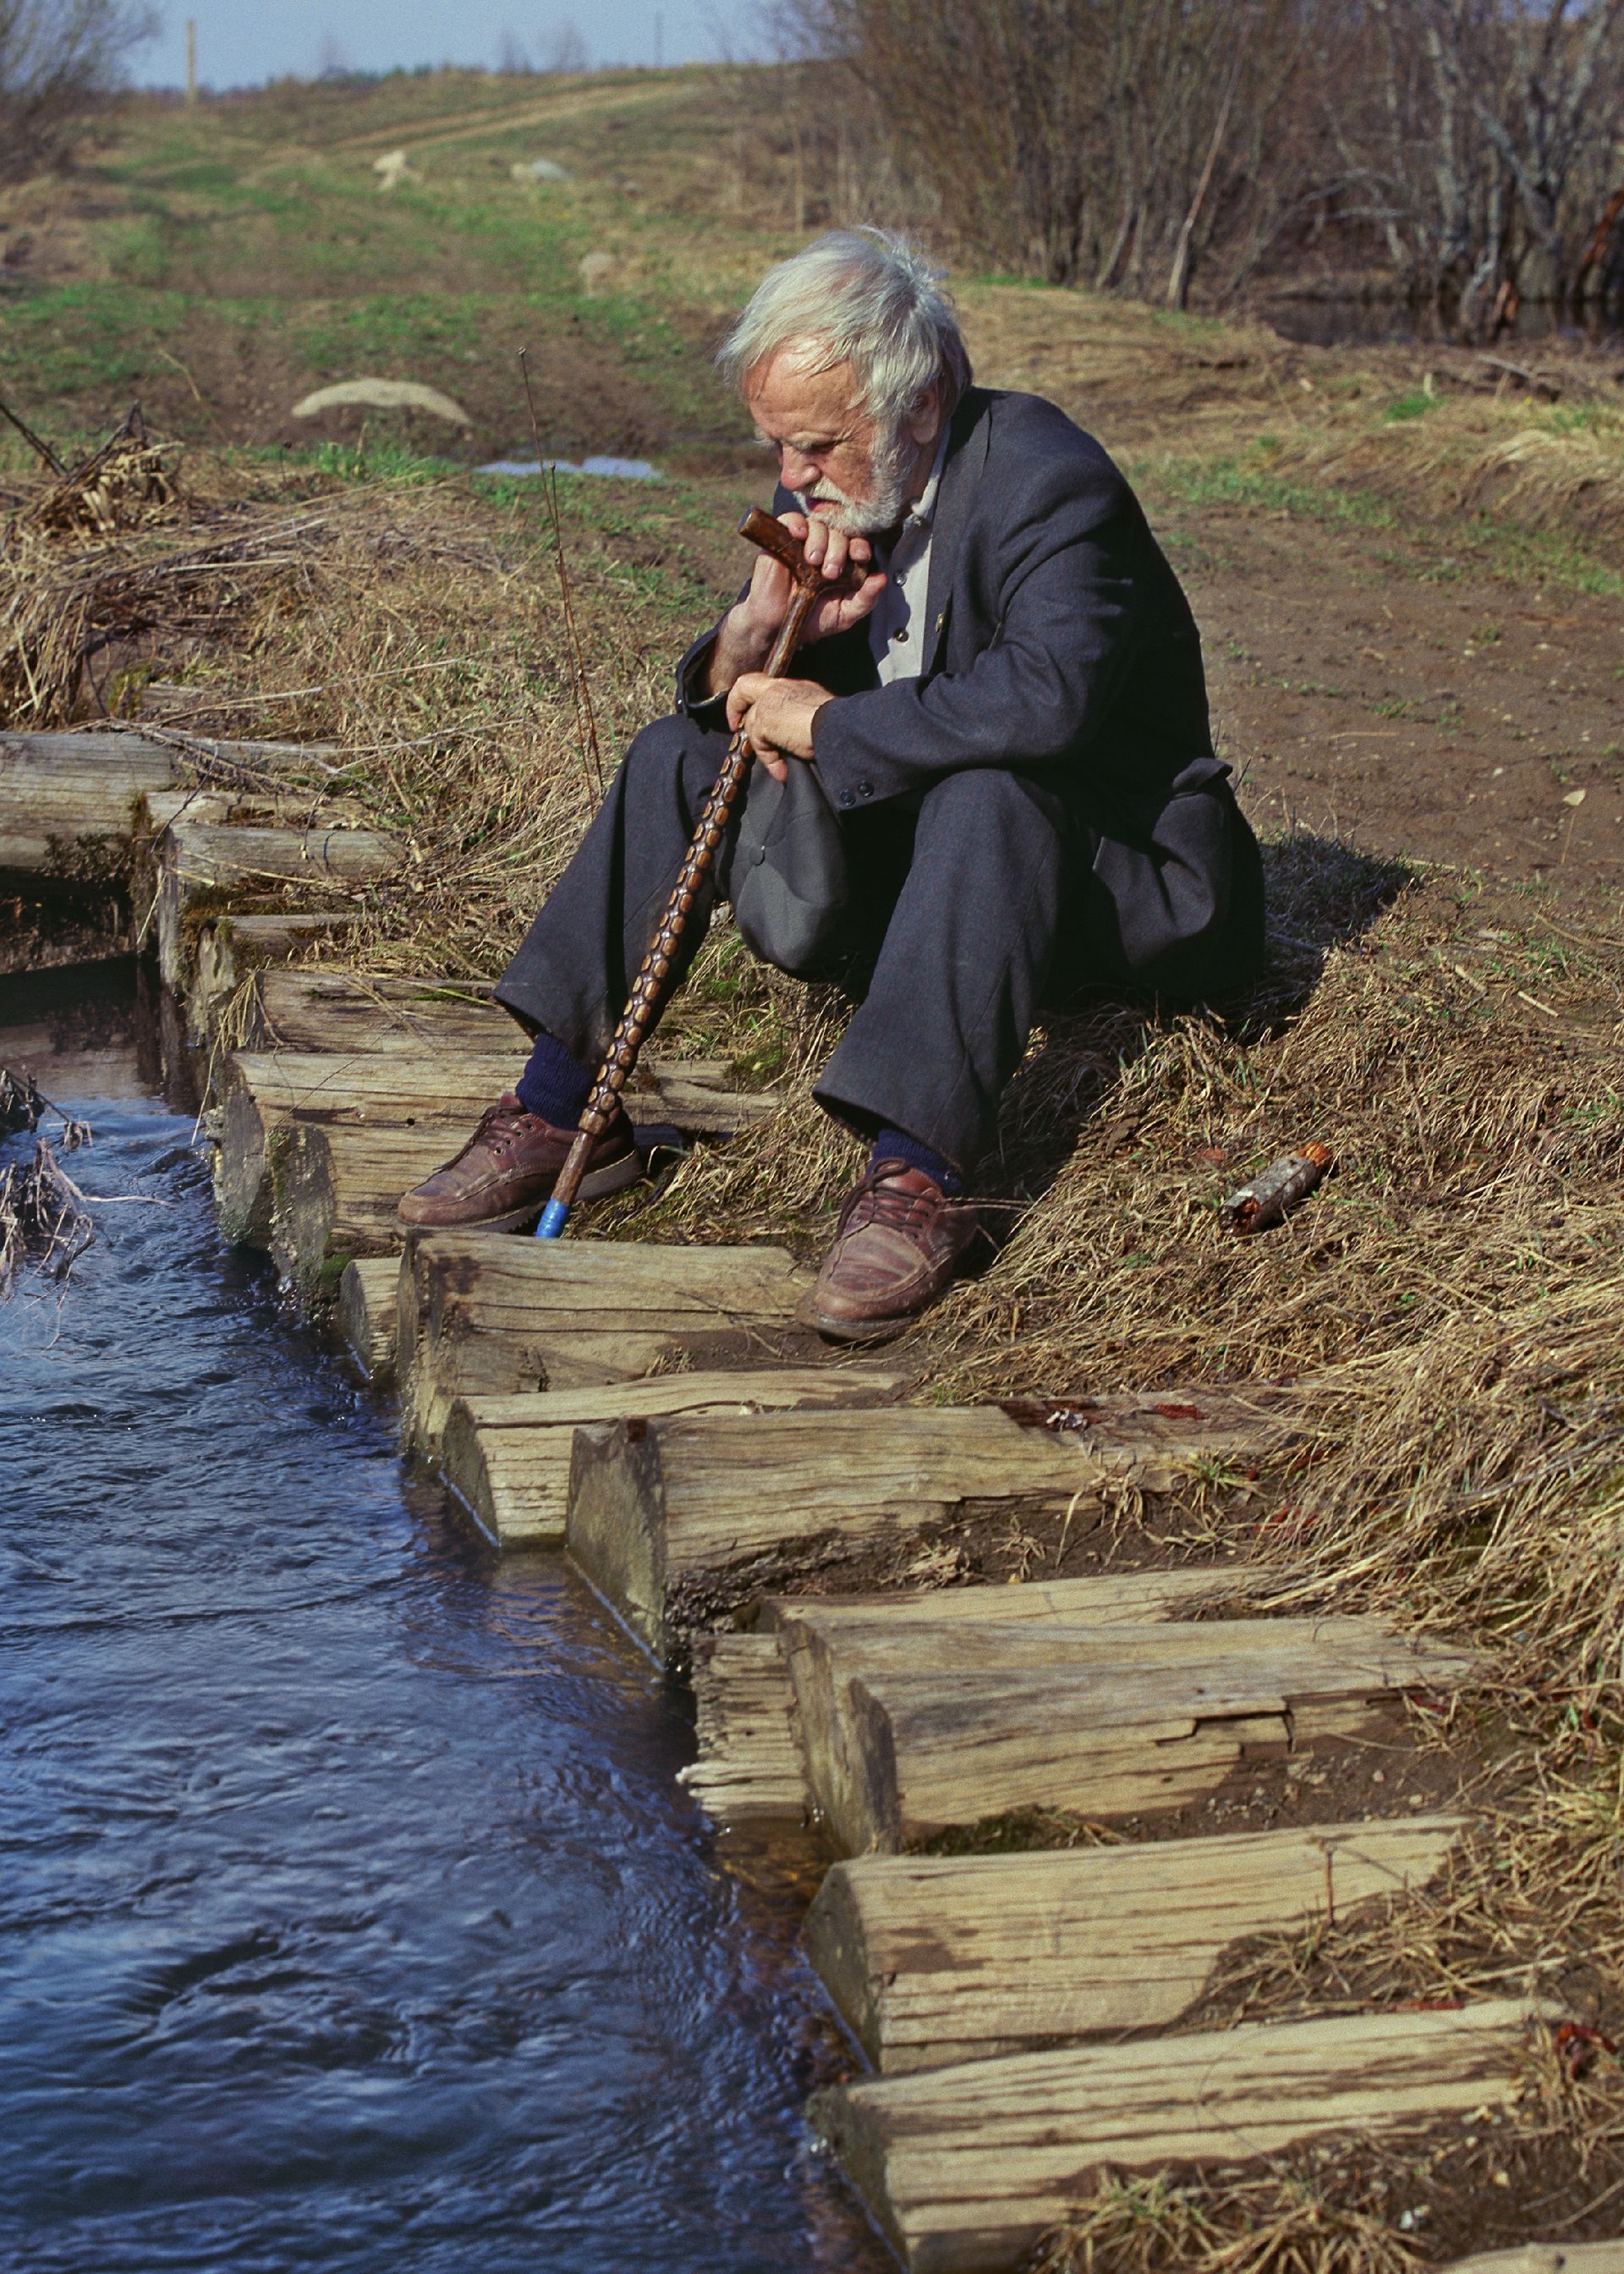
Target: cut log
{"x": 367, "y": 1301}
{"x": 1544, "y": 2258}
{"x": 1104, "y": 1723}
{"x": 231, "y": 949}
{"x": 507, "y": 1458}
{"x": 937, "y": 1959}
{"x": 67, "y": 803}
{"x": 202, "y": 860}
{"x": 344, "y": 1013}
{"x": 734, "y": 1784}
{"x": 967, "y": 2167}
{"x": 316, "y": 1148}
{"x": 688, "y": 1517}
{"x": 483, "y": 1314}
{"x": 753, "y": 1770}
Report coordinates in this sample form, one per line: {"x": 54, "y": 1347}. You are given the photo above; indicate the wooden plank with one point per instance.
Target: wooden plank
{"x": 695, "y": 1506}
{"x": 232, "y": 949}
{"x": 482, "y": 1313}
{"x": 733, "y": 1784}
{"x": 965, "y": 2167}
{"x": 752, "y": 1770}
{"x": 1544, "y": 2258}
{"x": 507, "y": 1459}
{"x": 938, "y": 1959}
{"x": 67, "y": 802}
{"x": 366, "y": 1308}
{"x": 206, "y": 858}
{"x": 905, "y": 1754}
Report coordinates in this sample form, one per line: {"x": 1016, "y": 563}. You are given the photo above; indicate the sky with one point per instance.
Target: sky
{"x": 239, "y": 46}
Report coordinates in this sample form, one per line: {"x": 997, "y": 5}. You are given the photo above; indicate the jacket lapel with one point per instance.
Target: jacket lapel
{"x": 966, "y": 454}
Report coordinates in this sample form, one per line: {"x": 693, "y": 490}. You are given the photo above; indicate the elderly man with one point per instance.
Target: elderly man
{"x": 1002, "y": 699}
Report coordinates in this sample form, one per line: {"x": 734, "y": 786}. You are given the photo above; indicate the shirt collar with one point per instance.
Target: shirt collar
{"x": 919, "y": 516}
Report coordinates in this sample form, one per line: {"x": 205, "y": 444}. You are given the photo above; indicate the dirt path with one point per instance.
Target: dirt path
{"x": 1463, "y": 718}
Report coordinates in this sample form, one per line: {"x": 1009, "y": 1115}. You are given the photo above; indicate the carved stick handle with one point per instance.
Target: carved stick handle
{"x": 651, "y": 987}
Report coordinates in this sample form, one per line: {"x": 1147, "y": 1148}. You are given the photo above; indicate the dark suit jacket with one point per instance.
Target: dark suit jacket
{"x": 1057, "y": 640}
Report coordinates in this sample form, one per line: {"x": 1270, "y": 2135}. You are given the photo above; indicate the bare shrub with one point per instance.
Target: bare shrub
{"x": 60, "y": 59}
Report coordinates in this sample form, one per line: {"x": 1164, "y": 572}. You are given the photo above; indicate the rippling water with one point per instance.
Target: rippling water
{"x": 349, "y": 1916}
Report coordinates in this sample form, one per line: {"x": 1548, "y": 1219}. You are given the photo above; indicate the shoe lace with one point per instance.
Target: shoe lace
{"x": 877, "y": 1199}
{"x": 498, "y": 1124}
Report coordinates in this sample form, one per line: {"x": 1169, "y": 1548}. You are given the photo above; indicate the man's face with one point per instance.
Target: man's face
{"x": 827, "y": 447}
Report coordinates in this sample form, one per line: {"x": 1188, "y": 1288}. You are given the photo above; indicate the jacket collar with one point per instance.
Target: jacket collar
{"x": 966, "y": 454}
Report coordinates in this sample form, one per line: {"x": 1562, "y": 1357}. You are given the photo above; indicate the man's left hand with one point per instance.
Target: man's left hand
{"x": 777, "y": 714}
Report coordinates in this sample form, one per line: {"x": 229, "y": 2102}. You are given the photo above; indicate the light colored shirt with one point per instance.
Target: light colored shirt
{"x": 895, "y": 627}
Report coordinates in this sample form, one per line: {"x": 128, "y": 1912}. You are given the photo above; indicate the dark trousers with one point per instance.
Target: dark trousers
{"x": 975, "y": 897}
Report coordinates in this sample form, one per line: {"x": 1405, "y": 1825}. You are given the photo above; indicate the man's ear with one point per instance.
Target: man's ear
{"x": 924, "y": 424}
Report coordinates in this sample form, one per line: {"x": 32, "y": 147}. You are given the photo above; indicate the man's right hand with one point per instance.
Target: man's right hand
{"x": 746, "y": 634}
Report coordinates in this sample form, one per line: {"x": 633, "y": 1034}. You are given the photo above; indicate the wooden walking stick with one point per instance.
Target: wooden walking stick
{"x": 651, "y": 986}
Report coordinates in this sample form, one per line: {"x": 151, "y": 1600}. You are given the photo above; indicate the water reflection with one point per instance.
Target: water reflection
{"x": 350, "y": 1916}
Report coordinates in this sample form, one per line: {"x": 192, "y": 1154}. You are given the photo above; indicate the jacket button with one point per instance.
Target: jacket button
{"x": 865, "y": 789}
{"x": 844, "y": 798}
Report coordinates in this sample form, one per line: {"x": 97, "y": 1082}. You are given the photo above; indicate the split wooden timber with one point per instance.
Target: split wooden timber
{"x": 1546, "y": 2258}
{"x": 932, "y": 1960}
{"x": 965, "y": 2167}
{"x": 701, "y": 1509}
{"x": 205, "y": 858}
{"x": 750, "y": 1766}
{"x": 367, "y": 1300}
{"x": 482, "y": 1313}
{"x": 909, "y": 1733}
{"x": 67, "y": 803}
{"x": 315, "y": 1148}
{"x": 507, "y": 1459}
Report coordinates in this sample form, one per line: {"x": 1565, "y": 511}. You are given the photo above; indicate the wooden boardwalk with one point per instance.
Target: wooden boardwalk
{"x": 729, "y": 1485}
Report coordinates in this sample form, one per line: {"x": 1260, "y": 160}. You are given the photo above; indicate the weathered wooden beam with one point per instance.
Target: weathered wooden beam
{"x": 507, "y": 1459}
{"x": 967, "y": 2167}
{"x": 932, "y": 1960}
{"x": 367, "y": 1302}
{"x": 229, "y": 949}
{"x": 1105, "y": 1723}
{"x": 199, "y": 859}
{"x": 484, "y": 1314}
{"x": 750, "y": 1765}
{"x": 67, "y": 803}
{"x": 714, "y": 1510}
{"x": 1544, "y": 2258}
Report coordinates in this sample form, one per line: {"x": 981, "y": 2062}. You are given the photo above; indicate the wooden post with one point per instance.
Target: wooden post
{"x": 191, "y": 60}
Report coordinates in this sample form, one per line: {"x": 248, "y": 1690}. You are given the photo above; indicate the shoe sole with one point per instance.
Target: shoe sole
{"x": 867, "y": 1330}
{"x": 613, "y": 1177}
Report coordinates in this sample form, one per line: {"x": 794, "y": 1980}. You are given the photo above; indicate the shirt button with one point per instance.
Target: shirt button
{"x": 900, "y": 634}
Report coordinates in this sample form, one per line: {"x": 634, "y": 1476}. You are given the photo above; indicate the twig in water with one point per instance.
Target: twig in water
{"x": 43, "y": 1219}
{"x": 580, "y": 687}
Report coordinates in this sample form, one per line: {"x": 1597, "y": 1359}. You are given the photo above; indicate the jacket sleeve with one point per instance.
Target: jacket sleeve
{"x": 1070, "y": 600}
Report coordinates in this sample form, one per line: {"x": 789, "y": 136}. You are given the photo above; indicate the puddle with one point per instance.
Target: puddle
{"x": 617, "y": 469}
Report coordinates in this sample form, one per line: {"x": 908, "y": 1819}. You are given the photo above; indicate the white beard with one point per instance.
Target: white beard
{"x": 880, "y": 505}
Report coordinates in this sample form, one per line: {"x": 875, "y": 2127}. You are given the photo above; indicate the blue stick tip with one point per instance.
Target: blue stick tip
{"x": 554, "y": 1216}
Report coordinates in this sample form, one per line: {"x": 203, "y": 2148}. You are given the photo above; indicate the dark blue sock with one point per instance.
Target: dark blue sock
{"x": 554, "y": 1084}
{"x": 897, "y": 1145}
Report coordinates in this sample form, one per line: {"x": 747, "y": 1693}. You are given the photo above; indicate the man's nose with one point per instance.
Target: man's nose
{"x": 797, "y": 469}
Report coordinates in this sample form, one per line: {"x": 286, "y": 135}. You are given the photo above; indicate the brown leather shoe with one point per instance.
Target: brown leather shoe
{"x": 508, "y": 1168}
{"x": 897, "y": 1243}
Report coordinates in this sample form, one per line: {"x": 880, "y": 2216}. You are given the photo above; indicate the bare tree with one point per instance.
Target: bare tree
{"x": 512, "y": 56}
{"x": 565, "y": 51}
{"x": 59, "y": 60}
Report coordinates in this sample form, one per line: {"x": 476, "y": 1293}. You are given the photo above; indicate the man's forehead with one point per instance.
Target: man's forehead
{"x": 792, "y": 394}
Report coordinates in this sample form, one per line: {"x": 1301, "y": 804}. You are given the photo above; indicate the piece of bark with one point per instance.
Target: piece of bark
{"x": 507, "y": 1459}
{"x": 482, "y": 1313}
{"x": 759, "y": 1783}
{"x": 711, "y": 1511}
{"x": 967, "y": 2167}
{"x": 910, "y": 1754}
{"x": 368, "y": 1298}
{"x": 932, "y": 1960}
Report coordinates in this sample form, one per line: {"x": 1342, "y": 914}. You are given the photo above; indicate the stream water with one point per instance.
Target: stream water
{"x": 350, "y": 1914}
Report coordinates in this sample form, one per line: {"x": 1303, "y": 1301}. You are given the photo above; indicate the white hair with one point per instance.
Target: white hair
{"x": 863, "y": 296}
